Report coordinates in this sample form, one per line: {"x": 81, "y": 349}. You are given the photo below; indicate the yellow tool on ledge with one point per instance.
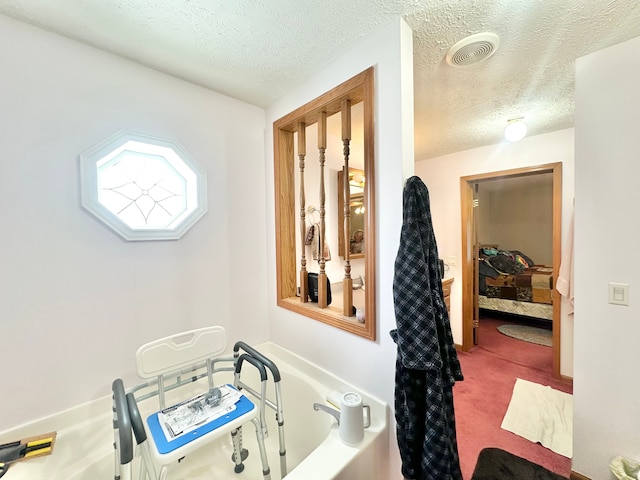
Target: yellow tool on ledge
{"x": 26, "y": 449}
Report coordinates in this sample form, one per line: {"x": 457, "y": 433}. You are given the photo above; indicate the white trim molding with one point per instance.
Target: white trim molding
{"x": 143, "y": 187}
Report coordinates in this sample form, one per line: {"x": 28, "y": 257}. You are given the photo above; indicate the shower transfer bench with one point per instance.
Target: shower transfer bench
{"x": 169, "y": 366}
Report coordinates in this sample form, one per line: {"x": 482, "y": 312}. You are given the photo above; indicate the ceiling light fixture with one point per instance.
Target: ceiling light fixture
{"x": 516, "y": 129}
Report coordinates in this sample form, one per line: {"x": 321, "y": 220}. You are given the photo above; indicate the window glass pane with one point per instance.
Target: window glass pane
{"x": 143, "y": 187}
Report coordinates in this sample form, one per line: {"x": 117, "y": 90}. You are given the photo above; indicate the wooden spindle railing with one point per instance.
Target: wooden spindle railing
{"x": 288, "y": 175}
{"x": 347, "y": 282}
{"x": 322, "y": 146}
{"x": 302, "y": 151}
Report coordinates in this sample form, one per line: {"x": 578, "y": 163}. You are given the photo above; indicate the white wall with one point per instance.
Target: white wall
{"x": 606, "y": 387}
{"x": 442, "y": 177}
{"x": 76, "y": 300}
{"x": 370, "y": 365}
{"x": 519, "y": 218}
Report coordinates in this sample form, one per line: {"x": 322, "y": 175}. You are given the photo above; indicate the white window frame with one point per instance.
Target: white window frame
{"x": 195, "y": 179}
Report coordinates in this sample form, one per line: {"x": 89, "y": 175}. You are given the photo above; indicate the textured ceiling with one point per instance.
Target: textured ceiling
{"x": 258, "y": 50}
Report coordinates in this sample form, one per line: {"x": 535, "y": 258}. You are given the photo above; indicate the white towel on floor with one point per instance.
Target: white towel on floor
{"x": 541, "y": 414}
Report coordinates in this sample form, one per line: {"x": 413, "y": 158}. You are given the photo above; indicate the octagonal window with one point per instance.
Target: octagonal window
{"x": 143, "y": 187}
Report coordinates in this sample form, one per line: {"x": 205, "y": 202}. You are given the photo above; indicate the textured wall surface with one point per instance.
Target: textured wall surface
{"x": 259, "y": 50}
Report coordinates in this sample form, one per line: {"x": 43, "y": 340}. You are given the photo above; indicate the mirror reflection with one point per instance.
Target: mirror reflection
{"x": 356, "y": 213}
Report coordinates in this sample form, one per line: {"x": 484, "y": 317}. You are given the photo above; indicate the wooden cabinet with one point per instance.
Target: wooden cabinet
{"x": 446, "y": 290}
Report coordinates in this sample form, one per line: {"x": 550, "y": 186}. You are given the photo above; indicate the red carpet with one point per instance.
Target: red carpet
{"x": 490, "y": 370}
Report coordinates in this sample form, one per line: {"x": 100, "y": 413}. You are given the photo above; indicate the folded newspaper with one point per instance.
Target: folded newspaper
{"x": 186, "y": 416}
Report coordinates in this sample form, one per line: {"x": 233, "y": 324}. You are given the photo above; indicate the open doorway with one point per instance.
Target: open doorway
{"x": 470, "y": 248}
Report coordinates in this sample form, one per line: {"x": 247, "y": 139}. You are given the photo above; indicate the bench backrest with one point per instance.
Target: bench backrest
{"x": 176, "y": 351}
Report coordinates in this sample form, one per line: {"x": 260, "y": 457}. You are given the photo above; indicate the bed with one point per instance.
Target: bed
{"x": 510, "y": 282}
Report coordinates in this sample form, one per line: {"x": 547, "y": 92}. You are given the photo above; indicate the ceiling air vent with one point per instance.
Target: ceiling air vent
{"x": 473, "y": 49}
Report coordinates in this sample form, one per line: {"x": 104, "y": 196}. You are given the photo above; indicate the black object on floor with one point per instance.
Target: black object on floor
{"x": 497, "y": 464}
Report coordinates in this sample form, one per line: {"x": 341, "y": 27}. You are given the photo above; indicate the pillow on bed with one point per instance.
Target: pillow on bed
{"x": 506, "y": 263}
{"x": 530, "y": 262}
{"x": 486, "y": 270}
{"x": 521, "y": 260}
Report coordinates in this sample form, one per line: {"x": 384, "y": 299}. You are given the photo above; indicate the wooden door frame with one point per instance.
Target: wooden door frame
{"x": 466, "y": 204}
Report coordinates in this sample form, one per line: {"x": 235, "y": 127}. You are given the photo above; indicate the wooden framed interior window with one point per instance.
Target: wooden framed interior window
{"x": 293, "y": 205}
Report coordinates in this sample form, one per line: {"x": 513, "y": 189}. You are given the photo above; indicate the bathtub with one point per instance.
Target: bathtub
{"x": 84, "y": 443}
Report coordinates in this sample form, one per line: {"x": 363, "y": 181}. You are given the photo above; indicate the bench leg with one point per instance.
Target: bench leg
{"x": 239, "y": 454}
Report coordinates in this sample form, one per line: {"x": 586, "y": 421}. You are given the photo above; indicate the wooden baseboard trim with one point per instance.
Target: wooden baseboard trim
{"x": 577, "y": 476}
{"x": 566, "y": 379}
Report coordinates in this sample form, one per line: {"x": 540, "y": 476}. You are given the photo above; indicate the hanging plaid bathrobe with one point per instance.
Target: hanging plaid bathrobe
{"x": 427, "y": 364}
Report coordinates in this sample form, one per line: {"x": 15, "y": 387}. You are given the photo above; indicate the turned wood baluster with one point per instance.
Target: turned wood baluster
{"x": 347, "y": 282}
{"x": 322, "y": 276}
{"x": 302, "y": 151}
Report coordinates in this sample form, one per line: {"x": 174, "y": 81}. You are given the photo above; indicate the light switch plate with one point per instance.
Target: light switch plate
{"x": 619, "y": 293}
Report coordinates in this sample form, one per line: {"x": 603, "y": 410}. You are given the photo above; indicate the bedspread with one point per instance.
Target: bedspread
{"x": 534, "y": 284}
